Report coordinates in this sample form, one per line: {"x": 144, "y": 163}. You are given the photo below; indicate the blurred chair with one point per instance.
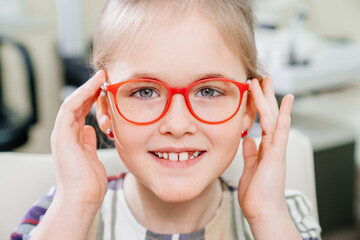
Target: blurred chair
{"x": 14, "y": 127}
{"x": 24, "y": 178}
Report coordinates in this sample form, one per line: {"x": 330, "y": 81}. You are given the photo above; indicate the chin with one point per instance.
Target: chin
{"x": 175, "y": 193}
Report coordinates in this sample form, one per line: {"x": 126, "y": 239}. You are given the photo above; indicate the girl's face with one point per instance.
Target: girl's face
{"x": 178, "y": 56}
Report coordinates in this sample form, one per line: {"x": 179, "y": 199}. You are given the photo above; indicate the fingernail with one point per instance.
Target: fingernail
{"x": 292, "y": 98}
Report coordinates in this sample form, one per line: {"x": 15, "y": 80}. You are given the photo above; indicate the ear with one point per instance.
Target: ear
{"x": 103, "y": 112}
{"x": 249, "y": 113}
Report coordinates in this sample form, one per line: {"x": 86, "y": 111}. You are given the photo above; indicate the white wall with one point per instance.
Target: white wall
{"x": 336, "y": 18}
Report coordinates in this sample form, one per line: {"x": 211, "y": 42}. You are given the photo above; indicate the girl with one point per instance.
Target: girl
{"x": 176, "y": 102}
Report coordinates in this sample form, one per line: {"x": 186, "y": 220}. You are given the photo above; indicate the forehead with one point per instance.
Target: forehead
{"x": 190, "y": 47}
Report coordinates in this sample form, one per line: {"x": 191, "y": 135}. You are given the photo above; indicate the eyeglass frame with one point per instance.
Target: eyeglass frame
{"x": 113, "y": 88}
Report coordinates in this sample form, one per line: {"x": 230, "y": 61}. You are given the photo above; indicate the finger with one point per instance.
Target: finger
{"x": 71, "y": 123}
{"x": 71, "y": 117}
{"x": 268, "y": 89}
{"x": 258, "y": 96}
{"x": 250, "y": 164}
{"x": 89, "y": 135}
{"x": 79, "y": 119}
{"x": 81, "y": 113}
{"x": 250, "y": 154}
{"x": 79, "y": 103}
{"x": 85, "y": 92}
{"x": 267, "y": 118}
{"x": 281, "y": 134}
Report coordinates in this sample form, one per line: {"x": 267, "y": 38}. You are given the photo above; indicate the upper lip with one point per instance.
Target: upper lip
{"x": 177, "y": 150}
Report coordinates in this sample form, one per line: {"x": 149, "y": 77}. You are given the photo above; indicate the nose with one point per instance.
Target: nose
{"x": 178, "y": 120}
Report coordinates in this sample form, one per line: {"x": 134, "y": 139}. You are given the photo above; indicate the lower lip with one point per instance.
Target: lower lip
{"x": 177, "y": 164}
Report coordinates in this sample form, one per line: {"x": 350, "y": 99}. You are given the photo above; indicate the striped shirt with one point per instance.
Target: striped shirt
{"x": 114, "y": 220}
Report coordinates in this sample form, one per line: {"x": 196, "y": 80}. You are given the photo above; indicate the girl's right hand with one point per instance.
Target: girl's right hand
{"x": 80, "y": 176}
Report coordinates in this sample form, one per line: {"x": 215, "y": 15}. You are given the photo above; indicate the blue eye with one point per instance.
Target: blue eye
{"x": 208, "y": 92}
{"x": 145, "y": 93}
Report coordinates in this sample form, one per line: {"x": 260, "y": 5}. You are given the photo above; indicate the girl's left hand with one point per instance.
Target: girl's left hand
{"x": 261, "y": 191}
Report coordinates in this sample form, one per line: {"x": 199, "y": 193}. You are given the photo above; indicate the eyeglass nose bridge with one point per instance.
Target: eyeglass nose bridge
{"x": 182, "y": 91}
{"x": 174, "y": 91}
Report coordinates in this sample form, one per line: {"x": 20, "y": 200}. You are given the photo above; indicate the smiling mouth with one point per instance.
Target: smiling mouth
{"x": 181, "y": 157}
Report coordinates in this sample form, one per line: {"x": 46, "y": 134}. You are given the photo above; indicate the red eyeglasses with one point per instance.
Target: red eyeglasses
{"x": 145, "y": 101}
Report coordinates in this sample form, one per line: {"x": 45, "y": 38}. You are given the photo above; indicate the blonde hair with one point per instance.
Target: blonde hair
{"x": 124, "y": 23}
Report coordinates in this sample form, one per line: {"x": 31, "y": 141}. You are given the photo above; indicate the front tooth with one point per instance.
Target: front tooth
{"x": 183, "y": 156}
{"x": 173, "y": 156}
{"x": 165, "y": 155}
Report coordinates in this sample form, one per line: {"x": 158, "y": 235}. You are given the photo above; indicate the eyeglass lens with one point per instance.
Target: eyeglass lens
{"x": 145, "y": 101}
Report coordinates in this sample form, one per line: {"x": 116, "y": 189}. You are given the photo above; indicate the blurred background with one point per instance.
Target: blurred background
{"x": 311, "y": 48}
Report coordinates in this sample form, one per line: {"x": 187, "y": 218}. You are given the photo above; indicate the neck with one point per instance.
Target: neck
{"x": 168, "y": 217}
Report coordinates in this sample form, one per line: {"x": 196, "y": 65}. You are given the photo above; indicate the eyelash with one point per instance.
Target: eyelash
{"x": 141, "y": 89}
{"x": 136, "y": 93}
{"x": 217, "y": 92}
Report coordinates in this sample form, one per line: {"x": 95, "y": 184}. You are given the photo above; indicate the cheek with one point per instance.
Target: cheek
{"x": 227, "y": 136}
{"x": 130, "y": 144}
{"x": 225, "y": 139}
{"x": 128, "y": 136}
{"x": 130, "y": 140}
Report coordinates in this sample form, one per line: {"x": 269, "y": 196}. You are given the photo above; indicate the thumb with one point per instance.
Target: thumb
{"x": 250, "y": 154}
{"x": 250, "y": 165}
{"x": 89, "y": 138}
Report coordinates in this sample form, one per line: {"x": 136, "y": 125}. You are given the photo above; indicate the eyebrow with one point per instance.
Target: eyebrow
{"x": 198, "y": 77}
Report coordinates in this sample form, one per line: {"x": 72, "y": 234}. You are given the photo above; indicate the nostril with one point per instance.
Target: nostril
{"x": 178, "y": 119}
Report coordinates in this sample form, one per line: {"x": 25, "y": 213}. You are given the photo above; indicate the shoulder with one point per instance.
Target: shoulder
{"x": 300, "y": 209}
{"x": 116, "y": 182}
{"x": 33, "y": 216}
{"x": 228, "y": 186}
{"x": 298, "y": 204}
